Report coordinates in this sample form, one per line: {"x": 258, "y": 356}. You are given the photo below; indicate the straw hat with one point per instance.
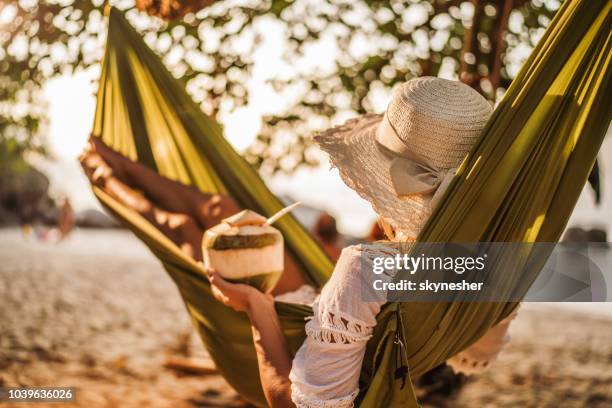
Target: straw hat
{"x": 402, "y": 161}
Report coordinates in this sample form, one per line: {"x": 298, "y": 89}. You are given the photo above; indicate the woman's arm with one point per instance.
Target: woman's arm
{"x": 273, "y": 355}
{"x": 325, "y": 370}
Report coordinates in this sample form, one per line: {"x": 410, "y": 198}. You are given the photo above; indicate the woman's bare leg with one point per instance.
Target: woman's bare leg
{"x": 180, "y": 228}
{"x": 207, "y": 209}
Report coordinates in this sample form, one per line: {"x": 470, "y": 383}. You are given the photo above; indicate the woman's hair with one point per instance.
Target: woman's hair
{"x": 392, "y": 233}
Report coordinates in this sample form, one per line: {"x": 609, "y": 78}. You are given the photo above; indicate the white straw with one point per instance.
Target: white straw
{"x": 282, "y": 212}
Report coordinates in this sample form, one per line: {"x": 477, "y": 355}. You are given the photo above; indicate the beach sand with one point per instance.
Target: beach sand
{"x": 98, "y": 313}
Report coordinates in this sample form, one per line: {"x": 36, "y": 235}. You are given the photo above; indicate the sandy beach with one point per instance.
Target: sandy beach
{"x": 98, "y": 313}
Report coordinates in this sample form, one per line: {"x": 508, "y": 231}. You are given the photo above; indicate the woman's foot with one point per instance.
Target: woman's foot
{"x": 115, "y": 160}
{"x": 96, "y": 169}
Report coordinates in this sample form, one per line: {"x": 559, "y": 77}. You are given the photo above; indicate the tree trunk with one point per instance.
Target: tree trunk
{"x": 499, "y": 45}
{"x": 470, "y": 45}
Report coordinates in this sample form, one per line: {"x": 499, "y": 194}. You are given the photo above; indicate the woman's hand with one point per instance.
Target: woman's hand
{"x": 238, "y": 296}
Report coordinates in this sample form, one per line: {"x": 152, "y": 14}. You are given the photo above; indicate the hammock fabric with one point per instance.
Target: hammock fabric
{"x": 519, "y": 184}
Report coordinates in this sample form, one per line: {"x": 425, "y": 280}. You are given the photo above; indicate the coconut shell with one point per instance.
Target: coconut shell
{"x": 244, "y": 248}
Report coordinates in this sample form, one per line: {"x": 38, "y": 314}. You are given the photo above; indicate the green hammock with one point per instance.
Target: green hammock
{"x": 519, "y": 184}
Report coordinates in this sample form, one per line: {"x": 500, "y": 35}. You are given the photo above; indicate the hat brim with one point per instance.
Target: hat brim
{"x": 353, "y": 150}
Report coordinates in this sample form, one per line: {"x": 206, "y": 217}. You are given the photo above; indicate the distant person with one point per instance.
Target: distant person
{"x": 26, "y": 231}
{"x": 26, "y": 217}
{"x": 327, "y": 233}
{"x": 65, "y": 219}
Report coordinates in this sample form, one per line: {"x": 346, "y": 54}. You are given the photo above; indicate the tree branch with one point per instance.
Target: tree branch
{"x": 499, "y": 44}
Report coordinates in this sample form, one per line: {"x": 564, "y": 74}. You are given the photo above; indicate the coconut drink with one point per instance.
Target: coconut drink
{"x": 246, "y": 248}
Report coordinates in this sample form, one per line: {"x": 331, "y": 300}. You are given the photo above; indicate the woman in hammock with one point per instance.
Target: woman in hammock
{"x": 401, "y": 163}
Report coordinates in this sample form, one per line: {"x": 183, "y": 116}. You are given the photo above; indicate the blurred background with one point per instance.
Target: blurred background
{"x": 83, "y": 303}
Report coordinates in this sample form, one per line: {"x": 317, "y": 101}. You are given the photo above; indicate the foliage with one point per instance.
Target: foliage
{"x": 375, "y": 45}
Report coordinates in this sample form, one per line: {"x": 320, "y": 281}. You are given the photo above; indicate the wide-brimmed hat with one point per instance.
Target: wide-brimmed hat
{"x": 402, "y": 161}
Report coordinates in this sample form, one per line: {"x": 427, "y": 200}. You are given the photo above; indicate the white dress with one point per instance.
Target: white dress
{"x": 326, "y": 368}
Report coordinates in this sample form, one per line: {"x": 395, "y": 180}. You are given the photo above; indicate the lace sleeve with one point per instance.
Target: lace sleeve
{"x": 326, "y": 368}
